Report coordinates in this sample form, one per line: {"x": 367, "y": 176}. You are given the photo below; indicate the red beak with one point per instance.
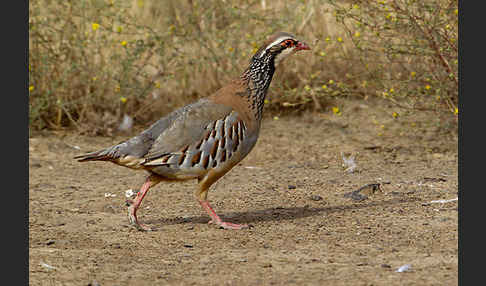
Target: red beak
{"x": 302, "y": 46}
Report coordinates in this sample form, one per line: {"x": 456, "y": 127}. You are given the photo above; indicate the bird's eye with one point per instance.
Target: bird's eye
{"x": 287, "y": 43}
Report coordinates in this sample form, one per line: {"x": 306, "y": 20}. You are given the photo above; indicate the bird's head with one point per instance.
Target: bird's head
{"x": 279, "y": 46}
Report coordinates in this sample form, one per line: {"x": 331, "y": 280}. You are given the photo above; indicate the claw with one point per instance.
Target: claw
{"x": 215, "y": 219}
{"x": 132, "y": 218}
{"x": 228, "y": 225}
{"x": 133, "y": 205}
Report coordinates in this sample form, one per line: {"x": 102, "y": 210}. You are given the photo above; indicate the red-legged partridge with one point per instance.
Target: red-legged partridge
{"x": 205, "y": 139}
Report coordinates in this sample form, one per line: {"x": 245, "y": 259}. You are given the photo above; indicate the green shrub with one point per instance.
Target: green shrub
{"x": 406, "y": 48}
{"x": 92, "y": 61}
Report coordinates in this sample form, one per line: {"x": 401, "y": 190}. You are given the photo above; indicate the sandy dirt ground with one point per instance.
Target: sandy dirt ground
{"x": 292, "y": 189}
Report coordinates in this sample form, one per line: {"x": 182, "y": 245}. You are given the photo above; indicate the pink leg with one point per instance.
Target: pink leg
{"x": 132, "y": 209}
{"x": 217, "y": 220}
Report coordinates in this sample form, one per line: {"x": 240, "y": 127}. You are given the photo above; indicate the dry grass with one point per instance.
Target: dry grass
{"x": 92, "y": 61}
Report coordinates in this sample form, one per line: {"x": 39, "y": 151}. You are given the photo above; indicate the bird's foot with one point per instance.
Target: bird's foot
{"x": 229, "y": 225}
{"x": 215, "y": 219}
{"x": 132, "y": 218}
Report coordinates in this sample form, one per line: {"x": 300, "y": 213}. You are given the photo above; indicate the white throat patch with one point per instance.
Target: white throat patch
{"x": 285, "y": 53}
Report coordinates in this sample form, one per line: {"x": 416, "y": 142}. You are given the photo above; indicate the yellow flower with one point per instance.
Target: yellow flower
{"x": 119, "y": 29}
{"x": 157, "y": 84}
{"x": 31, "y": 88}
{"x": 357, "y": 34}
{"x": 336, "y": 110}
{"x": 339, "y": 39}
{"x": 95, "y": 26}
{"x": 266, "y": 101}
{"x": 123, "y": 43}
{"x": 94, "y": 78}
{"x": 331, "y": 81}
{"x": 456, "y": 11}
{"x": 395, "y": 115}
{"x": 456, "y": 111}
{"x": 322, "y": 54}
{"x": 276, "y": 118}
{"x": 413, "y": 74}
{"x": 328, "y": 39}
{"x": 355, "y": 6}
{"x": 324, "y": 86}
{"x": 427, "y": 87}
{"x": 392, "y": 90}
{"x": 123, "y": 99}
{"x": 231, "y": 49}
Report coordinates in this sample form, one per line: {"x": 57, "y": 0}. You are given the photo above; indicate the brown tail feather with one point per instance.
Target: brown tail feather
{"x": 94, "y": 156}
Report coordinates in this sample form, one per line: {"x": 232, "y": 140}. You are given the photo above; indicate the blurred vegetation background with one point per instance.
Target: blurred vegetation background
{"x": 93, "y": 61}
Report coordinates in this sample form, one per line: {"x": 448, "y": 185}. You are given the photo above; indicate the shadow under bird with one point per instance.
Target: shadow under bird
{"x": 207, "y": 138}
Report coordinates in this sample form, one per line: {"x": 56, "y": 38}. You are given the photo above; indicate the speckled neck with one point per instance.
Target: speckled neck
{"x": 258, "y": 76}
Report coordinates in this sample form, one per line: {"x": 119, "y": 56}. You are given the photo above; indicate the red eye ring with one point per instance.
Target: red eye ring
{"x": 287, "y": 43}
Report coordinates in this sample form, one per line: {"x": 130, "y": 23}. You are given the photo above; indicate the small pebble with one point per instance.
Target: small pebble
{"x": 316, "y": 198}
{"x": 291, "y": 187}
{"x": 47, "y": 266}
{"x": 404, "y": 268}
{"x": 130, "y": 193}
{"x": 94, "y": 283}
